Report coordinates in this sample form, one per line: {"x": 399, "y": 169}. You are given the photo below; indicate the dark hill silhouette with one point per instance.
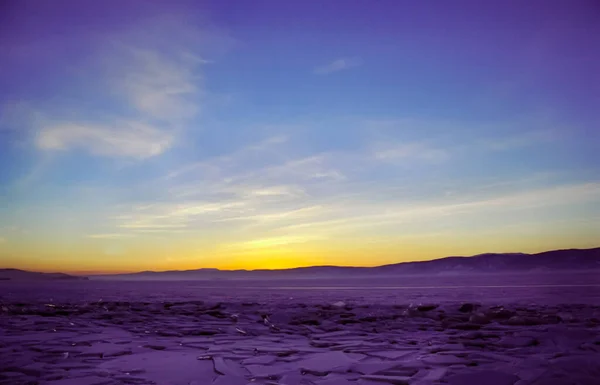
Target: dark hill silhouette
{"x": 22, "y": 275}
{"x": 557, "y": 260}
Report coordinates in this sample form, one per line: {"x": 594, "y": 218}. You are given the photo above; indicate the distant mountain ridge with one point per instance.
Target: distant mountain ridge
{"x": 556, "y": 260}
{"x": 22, "y": 275}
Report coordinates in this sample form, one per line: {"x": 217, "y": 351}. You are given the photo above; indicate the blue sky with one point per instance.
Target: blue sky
{"x": 154, "y": 135}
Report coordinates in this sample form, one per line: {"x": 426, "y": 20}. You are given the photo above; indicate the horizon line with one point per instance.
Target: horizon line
{"x": 92, "y": 273}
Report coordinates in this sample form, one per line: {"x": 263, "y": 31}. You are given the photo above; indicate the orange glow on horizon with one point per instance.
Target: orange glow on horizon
{"x": 271, "y": 257}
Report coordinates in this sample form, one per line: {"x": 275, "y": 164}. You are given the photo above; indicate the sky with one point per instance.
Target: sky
{"x": 160, "y": 135}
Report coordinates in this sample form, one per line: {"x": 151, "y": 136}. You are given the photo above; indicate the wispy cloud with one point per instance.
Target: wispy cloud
{"x": 290, "y": 181}
{"x": 316, "y": 167}
{"x": 271, "y": 215}
{"x": 459, "y": 137}
{"x": 177, "y": 215}
{"x": 267, "y": 192}
{"x": 267, "y": 189}
{"x": 158, "y": 89}
{"x": 337, "y": 65}
{"x": 123, "y": 139}
{"x": 219, "y": 164}
{"x": 366, "y": 214}
{"x": 110, "y": 236}
{"x": 298, "y": 189}
{"x": 162, "y": 87}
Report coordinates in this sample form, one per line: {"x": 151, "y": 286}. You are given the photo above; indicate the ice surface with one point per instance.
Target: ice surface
{"x": 538, "y": 330}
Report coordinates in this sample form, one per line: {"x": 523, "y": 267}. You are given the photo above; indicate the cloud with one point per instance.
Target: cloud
{"x": 217, "y": 165}
{"x": 123, "y": 139}
{"x": 162, "y": 87}
{"x": 322, "y": 195}
{"x": 109, "y": 236}
{"x": 326, "y": 192}
{"x": 367, "y": 214}
{"x": 267, "y": 143}
{"x": 225, "y": 177}
{"x": 280, "y": 215}
{"x": 2, "y": 240}
{"x": 218, "y": 190}
{"x": 460, "y": 137}
{"x": 177, "y": 215}
{"x": 337, "y": 65}
{"x": 160, "y": 93}
{"x": 151, "y": 81}
{"x": 224, "y": 189}
{"x": 266, "y": 192}
{"x": 330, "y": 174}
{"x": 549, "y": 196}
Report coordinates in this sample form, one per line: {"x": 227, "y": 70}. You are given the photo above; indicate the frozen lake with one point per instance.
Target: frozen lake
{"x": 507, "y": 329}
{"x": 538, "y": 288}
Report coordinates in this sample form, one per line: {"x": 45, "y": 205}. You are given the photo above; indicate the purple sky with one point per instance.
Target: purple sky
{"x": 155, "y": 134}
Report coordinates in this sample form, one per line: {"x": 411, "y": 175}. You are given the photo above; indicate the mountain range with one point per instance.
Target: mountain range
{"x": 556, "y": 260}
{"x": 22, "y": 275}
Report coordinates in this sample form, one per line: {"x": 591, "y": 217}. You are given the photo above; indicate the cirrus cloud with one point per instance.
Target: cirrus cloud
{"x": 124, "y": 139}
{"x": 337, "y": 65}
{"x": 157, "y": 87}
